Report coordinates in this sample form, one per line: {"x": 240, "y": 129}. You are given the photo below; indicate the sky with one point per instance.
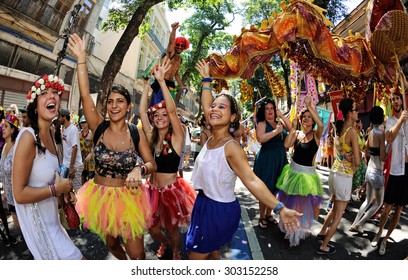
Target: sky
{"x": 235, "y": 28}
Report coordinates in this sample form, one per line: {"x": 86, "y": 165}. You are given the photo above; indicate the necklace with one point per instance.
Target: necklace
{"x": 164, "y": 147}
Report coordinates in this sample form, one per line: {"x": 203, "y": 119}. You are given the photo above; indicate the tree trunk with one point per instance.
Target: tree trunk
{"x": 114, "y": 63}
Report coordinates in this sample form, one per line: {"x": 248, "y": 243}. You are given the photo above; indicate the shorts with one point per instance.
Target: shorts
{"x": 340, "y": 185}
{"x": 396, "y": 192}
{"x": 375, "y": 177}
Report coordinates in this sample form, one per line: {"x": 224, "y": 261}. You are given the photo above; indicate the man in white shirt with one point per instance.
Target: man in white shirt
{"x": 396, "y": 192}
{"x": 72, "y": 157}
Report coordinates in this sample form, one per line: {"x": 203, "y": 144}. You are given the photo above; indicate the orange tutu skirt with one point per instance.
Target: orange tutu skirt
{"x": 115, "y": 211}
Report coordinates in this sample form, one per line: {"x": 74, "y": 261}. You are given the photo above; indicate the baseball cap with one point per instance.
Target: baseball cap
{"x": 13, "y": 120}
{"x": 65, "y": 112}
{"x": 82, "y": 119}
{"x": 24, "y": 109}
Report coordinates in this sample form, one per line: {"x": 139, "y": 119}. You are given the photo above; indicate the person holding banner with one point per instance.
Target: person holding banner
{"x": 299, "y": 185}
{"x": 347, "y": 159}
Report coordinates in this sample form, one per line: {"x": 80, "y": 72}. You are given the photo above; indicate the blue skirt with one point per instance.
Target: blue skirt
{"x": 212, "y": 225}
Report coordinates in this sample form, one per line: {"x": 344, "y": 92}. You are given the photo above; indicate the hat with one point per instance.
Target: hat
{"x": 13, "y": 120}
{"x": 24, "y": 109}
{"x": 65, "y": 112}
{"x": 82, "y": 119}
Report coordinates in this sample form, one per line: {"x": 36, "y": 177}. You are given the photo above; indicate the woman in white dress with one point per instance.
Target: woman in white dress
{"x": 36, "y": 183}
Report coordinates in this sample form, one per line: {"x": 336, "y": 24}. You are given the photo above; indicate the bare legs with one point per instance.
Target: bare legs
{"x": 175, "y": 240}
{"x": 331, "y": 222}
{"x": 200, "y": 256}
{"x": 134, "y": 248}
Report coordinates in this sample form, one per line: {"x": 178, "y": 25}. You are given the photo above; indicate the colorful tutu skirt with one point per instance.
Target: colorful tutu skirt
{"x": 212, "y": 225}
{"x": 300, "y": 189}
{"x": 115, "y": 211}
{"x": 172, "y": 205}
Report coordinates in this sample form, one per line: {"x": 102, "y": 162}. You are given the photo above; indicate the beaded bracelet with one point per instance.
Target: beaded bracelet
{"x": 207, "y": 88}
{"x": 278, "y": 208}
{"x": 207, "y": 80}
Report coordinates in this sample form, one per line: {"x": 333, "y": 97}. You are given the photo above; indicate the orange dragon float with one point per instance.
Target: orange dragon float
{"x": 301, "y": 34}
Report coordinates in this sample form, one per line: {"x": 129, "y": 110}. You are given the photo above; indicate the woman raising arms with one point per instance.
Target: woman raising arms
{"x": 172, "y": 197}
{"x": 216, "y": 211}
{"x": 114, "y": 203}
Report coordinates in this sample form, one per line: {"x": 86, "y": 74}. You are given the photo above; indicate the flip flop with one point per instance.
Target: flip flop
{"x": 263, "y": 223}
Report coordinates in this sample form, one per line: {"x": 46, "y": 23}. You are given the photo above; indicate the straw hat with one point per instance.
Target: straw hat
{"x": 390, "y": 36}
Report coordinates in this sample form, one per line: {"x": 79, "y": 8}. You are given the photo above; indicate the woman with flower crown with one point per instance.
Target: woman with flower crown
{"x": 115, "y": 203}
{"x": 172, "y": 197}
{"x": 347, "y": 159}
{"x": 36, "y": 183}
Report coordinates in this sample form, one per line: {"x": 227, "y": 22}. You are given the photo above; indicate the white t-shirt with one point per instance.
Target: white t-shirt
{"x": 399, "y": 148}
{"x": 70, "y": 138}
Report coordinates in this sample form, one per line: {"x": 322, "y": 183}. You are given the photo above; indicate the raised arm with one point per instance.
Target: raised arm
{"x": 292, "y": 136}
{"x": 316, "y": 118}
{"x": 172, "y": 39}
{"x": 144, "y": 117}
{"x": 159, "y": 73}
{"x": 78, "y": 48}
{"x": 206, "y": 95}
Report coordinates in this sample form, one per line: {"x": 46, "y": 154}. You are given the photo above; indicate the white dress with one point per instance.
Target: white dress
{"x": 40, "y": 224}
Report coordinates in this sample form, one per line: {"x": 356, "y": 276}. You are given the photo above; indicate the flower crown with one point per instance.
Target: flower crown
{"x": 43, "y": 83}
{"x": 155, "y": 107}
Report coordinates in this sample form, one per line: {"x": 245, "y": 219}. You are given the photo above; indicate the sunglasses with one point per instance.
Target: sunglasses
{"x": 180, "y": 45}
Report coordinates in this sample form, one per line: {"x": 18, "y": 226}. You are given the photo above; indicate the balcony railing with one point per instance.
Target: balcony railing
{"x": 39, "y": 11}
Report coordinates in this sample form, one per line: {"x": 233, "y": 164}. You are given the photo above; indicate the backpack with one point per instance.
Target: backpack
{"x": 134, "y": 133}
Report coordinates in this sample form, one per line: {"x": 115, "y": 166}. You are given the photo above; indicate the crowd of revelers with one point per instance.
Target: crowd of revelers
{"x": 126, "y": 181}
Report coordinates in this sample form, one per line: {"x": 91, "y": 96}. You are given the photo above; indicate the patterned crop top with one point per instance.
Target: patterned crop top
{"x": 113, "y": 164}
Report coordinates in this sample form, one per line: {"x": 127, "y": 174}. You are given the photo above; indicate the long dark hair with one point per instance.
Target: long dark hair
{"x": 32, "y": 116}
{"x": 345, "y": 106}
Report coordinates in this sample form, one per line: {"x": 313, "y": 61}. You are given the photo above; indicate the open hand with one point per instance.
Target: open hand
{"x": 77, "y": 45}
{"x": 204, "y": 68}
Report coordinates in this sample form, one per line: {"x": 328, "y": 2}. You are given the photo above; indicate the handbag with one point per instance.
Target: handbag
{"x": 71, "y": 215}
{"x": 69, "y": 209}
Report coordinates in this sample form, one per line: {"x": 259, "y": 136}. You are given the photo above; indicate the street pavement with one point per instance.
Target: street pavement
{"x": 252, "y": 242}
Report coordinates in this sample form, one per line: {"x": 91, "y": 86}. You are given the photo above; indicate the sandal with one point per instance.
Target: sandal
{"x": 177, "y": 255}
{"x": 162, "y": 250}
{"x": 271, "y": 219}
{"x": 263, "y": 223}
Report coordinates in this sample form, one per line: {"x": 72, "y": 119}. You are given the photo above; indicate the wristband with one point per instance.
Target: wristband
{"x": 53, "y": 190}
{"x": 207, "y": 80}
{"x": 278, "y": 208}
{"x": 81, "y": 63}
{"x": 144, "y": 169}
{"x": 207, "y": 88}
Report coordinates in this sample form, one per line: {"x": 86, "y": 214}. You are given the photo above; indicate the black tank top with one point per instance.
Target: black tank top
{"x": 167, "y": 163}
{"x": 305, "y": 152}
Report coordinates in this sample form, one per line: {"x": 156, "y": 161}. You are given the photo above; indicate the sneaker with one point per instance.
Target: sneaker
{"x": 331, "y": 251}
{"x": 320, "y": 237}
{"x": 383, "y": 248}
{"x": 377, "y": 237}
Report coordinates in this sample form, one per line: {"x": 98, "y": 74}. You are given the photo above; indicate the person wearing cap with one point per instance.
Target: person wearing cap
{"x": 24, "y": 118}
{"x": 72, "y": 157}
{"x": 9, "y": 133}
{"x": 86, "y": 143}
{"x": 175, "y": 47}
{"x": 36, "y": 182}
